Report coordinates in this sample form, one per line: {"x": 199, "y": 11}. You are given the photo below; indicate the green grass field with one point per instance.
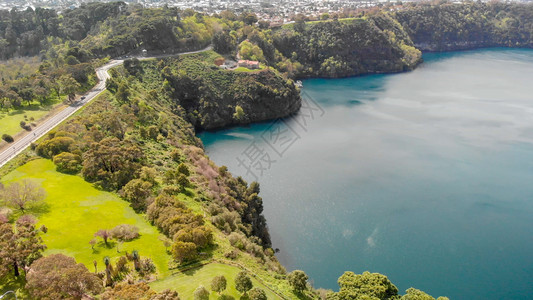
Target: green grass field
{"x": 76, "y": 210}
{"x": 185, "y": 283}
{"x": 10, "y": 121}
{"x": 243, "y": 69}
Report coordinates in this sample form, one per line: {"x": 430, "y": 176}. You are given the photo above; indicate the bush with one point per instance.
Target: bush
{"x": 201, "y": 293}
{"x": 231, "y": 255}
{"x": 54, "y": 146}
{"x": 67, "y": 162}
{"x": 257, "y": 294}
{"x": 147, "y": 267}
{"x": 8, "y": 138}
{"x": 125, "y": 232}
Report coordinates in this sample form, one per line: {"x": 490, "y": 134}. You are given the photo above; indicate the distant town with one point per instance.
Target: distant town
{"x": 277, "y": 12}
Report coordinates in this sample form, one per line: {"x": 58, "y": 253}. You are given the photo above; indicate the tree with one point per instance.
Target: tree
{"x": 184, "y": 251}
{"x": 257, "y": 294}
{"x": 67, "y": 162}
{"x": 123, "y": 233}
{"x": 19, "y": 246}
{"x": 183, "y": 182}
{"x": 298, "y": 280}
{"x": 136, "y": 192}
{"x": 59, "y": 277}
{"x": 123, "y": 93}
{"x": 201, "y": 293}
{"x": 239, "y": 113}
{"x": 111, "y": 85}
{"x": 92, "y": 242}
{"x": 108, "y": 271}
{"x": 21, "y": 195}
{"x": 249, "y": 18}
{"x": 218, "y": 284}
{"x": 136, "y": 260}
{"x": 366, "y": 285}
{"x": 104, "y": 234}
{"x": 414, "y": 294}
{"x": 183, "y": 169}
{"x": 40, "y": 93}
{"x": 243, "y": 283}
{"x": 251, "y": 51}
{"x": 223, "y": 42}
{"x": 68, "y": 86}
{"x": 111, "y": 162}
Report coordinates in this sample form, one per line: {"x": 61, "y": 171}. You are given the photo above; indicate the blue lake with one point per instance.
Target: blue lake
{"x": 426, "y": 176}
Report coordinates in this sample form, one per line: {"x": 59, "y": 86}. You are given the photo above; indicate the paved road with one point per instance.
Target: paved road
{"x": 24, "y": 142}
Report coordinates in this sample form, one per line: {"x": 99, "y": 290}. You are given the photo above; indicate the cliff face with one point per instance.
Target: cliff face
{"x": 212, "y": 98}
{"x": 386, "y": 41}
{"x": 349, "y": 47}
{"x": 261, "y": 96}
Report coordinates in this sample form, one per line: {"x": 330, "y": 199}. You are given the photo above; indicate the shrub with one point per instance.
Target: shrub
{"x": 257, "y": 294}
{"x": 147, "y": 267}
{"x": 55, "y": 146}
{"x": 231, "y": 254}
{"x": 184, "y": 251}
{"x": 67, "y": 162}
{"x": 176, "y": 155}
{"x": 8, "y": 138}
{"x": 125, "y": 232}
{"x": 201, "y": 293}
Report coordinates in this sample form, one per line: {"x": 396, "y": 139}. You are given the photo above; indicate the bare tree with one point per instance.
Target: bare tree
{"x": 20, "y": 195}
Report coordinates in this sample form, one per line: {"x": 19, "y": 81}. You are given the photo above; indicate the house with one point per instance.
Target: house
{"x": 250, "y": 64}
{"x": 229, "y": 65}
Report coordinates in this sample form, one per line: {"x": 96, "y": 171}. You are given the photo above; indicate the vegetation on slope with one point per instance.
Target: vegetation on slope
{"x": 138, "y": 141}
{"x": 448, "y": 26}
{"x": 337, "y": 49}
{"x": 211, "y": 96}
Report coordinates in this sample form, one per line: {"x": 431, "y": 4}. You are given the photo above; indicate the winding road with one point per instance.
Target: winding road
{"x": 48, "y": 124}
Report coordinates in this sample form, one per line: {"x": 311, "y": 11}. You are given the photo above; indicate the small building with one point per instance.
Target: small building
{"x": 250, "y": 64}
{"x": 229, "y": 65}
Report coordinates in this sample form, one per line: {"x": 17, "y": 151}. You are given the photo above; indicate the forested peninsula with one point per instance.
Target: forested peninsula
{"x": 134, "y": 148}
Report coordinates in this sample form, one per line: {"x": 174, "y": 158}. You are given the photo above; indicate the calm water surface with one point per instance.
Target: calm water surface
{"x": 425, "y": 176}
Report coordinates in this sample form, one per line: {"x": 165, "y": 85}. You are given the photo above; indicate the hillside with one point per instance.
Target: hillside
{"x": 132, "y": 157}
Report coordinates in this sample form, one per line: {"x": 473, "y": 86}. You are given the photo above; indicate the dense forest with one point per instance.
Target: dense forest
{"x": 474, "y": 25}
{"x": 137, "y": 140}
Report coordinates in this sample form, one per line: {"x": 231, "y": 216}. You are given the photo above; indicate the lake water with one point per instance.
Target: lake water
{"x": 426, "y": 177}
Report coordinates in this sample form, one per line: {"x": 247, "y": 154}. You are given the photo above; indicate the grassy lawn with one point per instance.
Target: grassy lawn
{"x": 243, "y": 69}
{"x": 10, "y": 121}
{"x": 76, "y": 210}
{"x": 185, "y": 283}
